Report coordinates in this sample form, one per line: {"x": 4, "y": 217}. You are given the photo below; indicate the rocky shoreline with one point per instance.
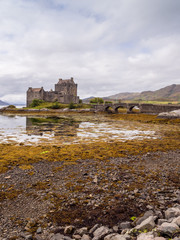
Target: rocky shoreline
{"x": 153, "y": 225}
{"x": 36, "y": 203}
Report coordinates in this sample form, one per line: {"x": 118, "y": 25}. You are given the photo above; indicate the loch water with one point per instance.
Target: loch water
{"x": 67, "y": 129}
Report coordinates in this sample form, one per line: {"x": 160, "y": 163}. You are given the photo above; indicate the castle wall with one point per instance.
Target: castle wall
{"x": 71, "y": 99}
{"x": 51, "y": 96}
{"x": 31, "y": 95}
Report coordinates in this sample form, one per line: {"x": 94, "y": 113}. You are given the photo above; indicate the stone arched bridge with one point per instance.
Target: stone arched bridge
{"x": 143, "y": 108}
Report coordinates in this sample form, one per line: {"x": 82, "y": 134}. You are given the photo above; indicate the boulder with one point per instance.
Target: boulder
{"x": 59, "y": 236}
{"x": 115, "y": 236}
{"x": 94, "y": 228}
{"x": 81, "y": 231}
{"x": 145, "y": 216}
{"x": 145, "y": 236}
{"x": 101, "y": 232}
{"x": 177, "y": 221}
{"x": 147, "y": 224}
{"x": 125, "y": 225}
{"x": 86, "y": 237}
{"x": 168, "y": 228}
{"x": 172, "y": 212}
{"x": 172, "y": 114}
{"x": 110, "y": 236}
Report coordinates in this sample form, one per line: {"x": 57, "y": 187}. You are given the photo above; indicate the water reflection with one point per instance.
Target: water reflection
{"x": 68, "y": 129}
{"x": 55, "y": 126}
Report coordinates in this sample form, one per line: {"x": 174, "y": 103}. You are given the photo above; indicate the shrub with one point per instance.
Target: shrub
{"x": 108, "y": 102}
{"x": 72, "y": 105}
{"x": 97, "y": 100}
{"x": 56, "y": 105}
{"x": 36, "y": 102}
{"x": 11, "y": 106}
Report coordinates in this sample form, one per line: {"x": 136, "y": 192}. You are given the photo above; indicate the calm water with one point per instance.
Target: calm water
{"x": 68, "y": 129}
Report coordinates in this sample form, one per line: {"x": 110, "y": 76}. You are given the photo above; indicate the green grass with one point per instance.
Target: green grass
{"x": 50, "y": 105}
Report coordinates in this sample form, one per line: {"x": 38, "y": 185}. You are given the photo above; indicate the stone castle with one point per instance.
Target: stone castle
{"x": 65, "y": 92}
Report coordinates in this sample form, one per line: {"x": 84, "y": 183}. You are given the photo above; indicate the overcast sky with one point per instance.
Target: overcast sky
{"x": 108, "y": 46}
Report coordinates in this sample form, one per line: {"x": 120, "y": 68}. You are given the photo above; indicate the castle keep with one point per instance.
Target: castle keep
{"x": 65, "y": 92}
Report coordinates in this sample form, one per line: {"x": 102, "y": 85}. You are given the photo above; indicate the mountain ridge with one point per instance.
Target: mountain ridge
{"x": 3, "y": 103}
{"x": 171, "y": 92}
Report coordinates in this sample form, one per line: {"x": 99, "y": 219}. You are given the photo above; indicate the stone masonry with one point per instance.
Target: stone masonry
{"x": 65, "y": 92}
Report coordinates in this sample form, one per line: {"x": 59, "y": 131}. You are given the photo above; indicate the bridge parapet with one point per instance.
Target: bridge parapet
{"x": 144, "y": 108}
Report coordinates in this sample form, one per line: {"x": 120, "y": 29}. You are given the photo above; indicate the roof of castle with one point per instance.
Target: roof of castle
{"x": 36, "y": 89}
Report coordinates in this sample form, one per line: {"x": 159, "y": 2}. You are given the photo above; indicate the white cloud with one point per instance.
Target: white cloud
{"x": 107, "y": 46}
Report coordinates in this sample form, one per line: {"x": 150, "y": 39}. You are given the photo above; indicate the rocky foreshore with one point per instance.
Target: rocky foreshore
{"x": 95, "y": 200}
{"x": 7, "y": 110}
{"x": 152, "y": 225}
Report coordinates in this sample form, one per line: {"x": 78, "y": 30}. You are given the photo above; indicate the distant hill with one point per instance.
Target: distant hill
{"x": 171, "y": 92}
{"x": 3, "y": 103}
{"x": 87, "y": 100}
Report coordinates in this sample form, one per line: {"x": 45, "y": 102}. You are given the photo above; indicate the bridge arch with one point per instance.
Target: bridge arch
{"x": 134, "y": 108}
{"x": 109, "y": 109}
{"x": 121, "y": 109}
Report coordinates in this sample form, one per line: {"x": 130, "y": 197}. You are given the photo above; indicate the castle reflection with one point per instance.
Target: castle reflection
{"x": 53, "y": 126}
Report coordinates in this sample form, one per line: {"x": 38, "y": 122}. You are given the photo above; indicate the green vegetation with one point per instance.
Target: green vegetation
{"x": 97, "y": 100}
{"x": 133, "y": 218}
{"x": 72, "y": 105}
{"x": 36, "y": 102}
{"x": 11, "y": 106}
{"x": 39, "y": 104}
{"x": 56, "y": 105}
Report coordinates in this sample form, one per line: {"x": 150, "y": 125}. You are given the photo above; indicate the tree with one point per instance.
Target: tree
{"x": 97, "y": 100}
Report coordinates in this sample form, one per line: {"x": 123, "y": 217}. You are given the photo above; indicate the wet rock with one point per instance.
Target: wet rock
{"x": 147, "y": 224}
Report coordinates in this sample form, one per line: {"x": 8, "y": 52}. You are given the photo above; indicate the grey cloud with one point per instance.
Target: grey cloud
{"x": 107, "y": 46}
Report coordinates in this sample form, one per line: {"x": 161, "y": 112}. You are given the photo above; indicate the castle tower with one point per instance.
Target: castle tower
{"x": 66, "y": 87}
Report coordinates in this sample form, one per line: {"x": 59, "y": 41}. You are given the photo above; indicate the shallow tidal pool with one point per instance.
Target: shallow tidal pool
{"x": 70, "y": 128}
